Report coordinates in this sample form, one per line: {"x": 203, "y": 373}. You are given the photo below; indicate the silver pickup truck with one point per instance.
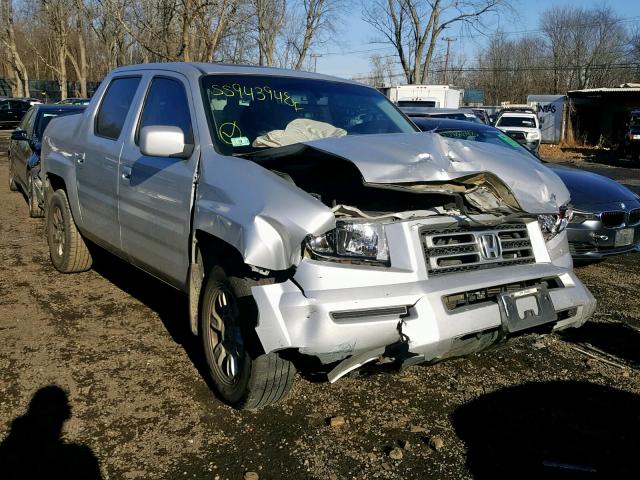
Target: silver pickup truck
{"x": 304, "y": 217}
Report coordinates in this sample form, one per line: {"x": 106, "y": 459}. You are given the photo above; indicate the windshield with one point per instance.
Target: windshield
{"x": 525, "y": 122}
{"x": 469, "y": 117}
{"x": 416, "y": 103}
{"x": 46, "y": 117}
{"x": 248, "y": 112}
{"x": 634, "y": 121}
{"x": 484, "y": 136}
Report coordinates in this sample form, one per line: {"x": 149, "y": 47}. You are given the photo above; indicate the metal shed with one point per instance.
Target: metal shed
{"x": 599, "y": 115}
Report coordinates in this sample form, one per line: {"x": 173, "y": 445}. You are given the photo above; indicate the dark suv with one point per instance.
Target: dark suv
{"x": 632, "y": 136}
{"x": 12, "y": 110}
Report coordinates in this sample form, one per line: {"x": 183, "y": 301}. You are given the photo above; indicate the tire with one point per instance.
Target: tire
{"x": 13, "y": 186}
{"x": 67, "y": 248}
{"x": 34, "y": 209}
{"x": 242, "y": 375}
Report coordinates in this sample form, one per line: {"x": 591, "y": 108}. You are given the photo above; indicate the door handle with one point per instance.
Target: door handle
{"x": 80, "y": 158}
{"x": 126, "y": 173}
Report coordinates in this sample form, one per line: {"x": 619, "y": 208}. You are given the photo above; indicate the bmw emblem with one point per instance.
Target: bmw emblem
{"x": 623, "y": 206}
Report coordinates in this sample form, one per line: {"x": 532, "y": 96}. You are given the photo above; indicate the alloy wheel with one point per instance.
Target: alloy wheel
{"x": 59, "y": 237}
{"x": 225, "y": 336}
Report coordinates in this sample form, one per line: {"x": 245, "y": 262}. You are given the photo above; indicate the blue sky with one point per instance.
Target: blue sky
{"x": 355, "y": 35}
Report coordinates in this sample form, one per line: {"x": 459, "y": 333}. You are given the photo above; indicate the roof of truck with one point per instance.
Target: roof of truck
{"x": 192, "y": 69}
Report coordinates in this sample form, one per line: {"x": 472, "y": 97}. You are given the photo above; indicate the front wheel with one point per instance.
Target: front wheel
{"x": 242, "y": 375}
{"x": 35, "y": 211}
{"x": 67, "y": 248}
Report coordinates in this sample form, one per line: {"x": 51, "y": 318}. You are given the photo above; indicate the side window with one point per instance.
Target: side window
{"x": 166, "y": 104}
{"x": 16, "y": 105}
{"x": 24, "y": 124}
{"x": 4, "y": 105}
{"x": 115, "y": 106}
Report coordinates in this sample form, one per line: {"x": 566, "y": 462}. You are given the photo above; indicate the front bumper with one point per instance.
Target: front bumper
{"x": 592, "y": 241}
{"x": 338, "y": 312}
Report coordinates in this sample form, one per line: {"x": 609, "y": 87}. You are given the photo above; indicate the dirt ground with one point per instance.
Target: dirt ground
{"x": 116, "y": 343}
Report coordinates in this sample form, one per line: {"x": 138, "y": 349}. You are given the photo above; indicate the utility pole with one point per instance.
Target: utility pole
{"x": 446, "y": 57}
{"x": 315, "y": 57}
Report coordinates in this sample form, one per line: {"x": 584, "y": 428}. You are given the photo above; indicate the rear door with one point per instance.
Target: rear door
{"x": 155, "y": 193}
{"x": 97, "y": 162}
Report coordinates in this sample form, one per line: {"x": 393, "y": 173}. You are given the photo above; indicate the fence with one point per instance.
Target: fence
{"x": 48, "y": 91}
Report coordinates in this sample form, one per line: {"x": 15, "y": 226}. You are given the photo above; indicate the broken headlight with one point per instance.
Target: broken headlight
{"x": 551, "y": 225}
{"x": 350, "y": 242}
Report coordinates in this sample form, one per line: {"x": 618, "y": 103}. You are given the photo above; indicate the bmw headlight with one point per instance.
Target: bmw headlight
{"x": 581, "y": 217}
{"x": 351, "y": 242}
{"x": 551, "y": 225}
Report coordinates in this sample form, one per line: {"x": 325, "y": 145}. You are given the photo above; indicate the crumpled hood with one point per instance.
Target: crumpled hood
{"x": 407, "y": 158}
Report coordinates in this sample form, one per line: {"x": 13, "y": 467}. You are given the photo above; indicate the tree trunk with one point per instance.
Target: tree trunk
{"x": 18, "y": 69}
{"x": 82, "y": 52}
{"x": 62, "y": 70}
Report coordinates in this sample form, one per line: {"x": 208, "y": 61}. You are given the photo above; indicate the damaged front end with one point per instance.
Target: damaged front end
{"x": 439, "y": 248}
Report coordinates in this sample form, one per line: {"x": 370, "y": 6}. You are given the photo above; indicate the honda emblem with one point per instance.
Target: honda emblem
{"x": 490, "y": 246}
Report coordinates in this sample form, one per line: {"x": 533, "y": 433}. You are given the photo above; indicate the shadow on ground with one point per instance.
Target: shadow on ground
{"x": 552, "y": 430}
{"x": 618, "y": 339}
{"x": 34, "y": 448}
{"x": 170, "y": 304}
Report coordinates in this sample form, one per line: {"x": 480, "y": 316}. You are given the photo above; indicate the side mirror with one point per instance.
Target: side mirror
{"x": 19, "y": 135}
{"x": 164, "y": 141}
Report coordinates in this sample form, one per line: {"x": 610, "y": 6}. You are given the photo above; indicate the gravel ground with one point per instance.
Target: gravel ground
{"x": 106, "y": 357}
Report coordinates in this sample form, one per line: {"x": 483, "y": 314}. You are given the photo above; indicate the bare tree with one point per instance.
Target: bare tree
{"x": 381, "y": 71}
{"x": 414, "y": 27}
{"x": 20, "y": 84}
{"x": 270, "y": 15}
{"x": 319, "y": 17}
{"x": 582, "y": 44}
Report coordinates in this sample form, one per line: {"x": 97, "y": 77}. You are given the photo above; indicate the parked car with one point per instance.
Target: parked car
{"x": 304, "y": 217}
{"x": 453, "y": 113}
{"x": 631, "y": 143}
{"x": 32, "y": 101}
{"x": 606, "y": 215}
{"x": 24, "y": 152}
{"x": 521, "y": 125}
{"x": 481, "y": 113}
{"x": 12, "y": 110}
{"x": 83, "y": 102}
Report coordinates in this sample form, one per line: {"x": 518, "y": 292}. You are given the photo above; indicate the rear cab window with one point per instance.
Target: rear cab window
{"x": 115, "y": 107}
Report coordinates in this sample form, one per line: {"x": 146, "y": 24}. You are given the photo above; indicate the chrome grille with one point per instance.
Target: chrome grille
{"x": 612, "y": 219}
{"x": 518, "y": 136}
{"x": 455, "y": 250}
{"x": 634, "y": 216}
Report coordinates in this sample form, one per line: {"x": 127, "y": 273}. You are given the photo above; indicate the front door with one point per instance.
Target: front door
{"x": 156, "y": 193}
{"x": 97, "y": 164}
{"x": 20, "y": 151}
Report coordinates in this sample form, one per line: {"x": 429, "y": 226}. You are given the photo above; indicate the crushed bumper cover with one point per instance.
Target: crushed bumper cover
{"x": 335, "y": 319}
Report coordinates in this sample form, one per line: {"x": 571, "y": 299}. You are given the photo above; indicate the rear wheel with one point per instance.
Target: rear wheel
{"x": 34, "y": 208}
{"x": 67, "y": 248}
{"x": 12, "y": 182}
{"x": 242, "y": 375}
